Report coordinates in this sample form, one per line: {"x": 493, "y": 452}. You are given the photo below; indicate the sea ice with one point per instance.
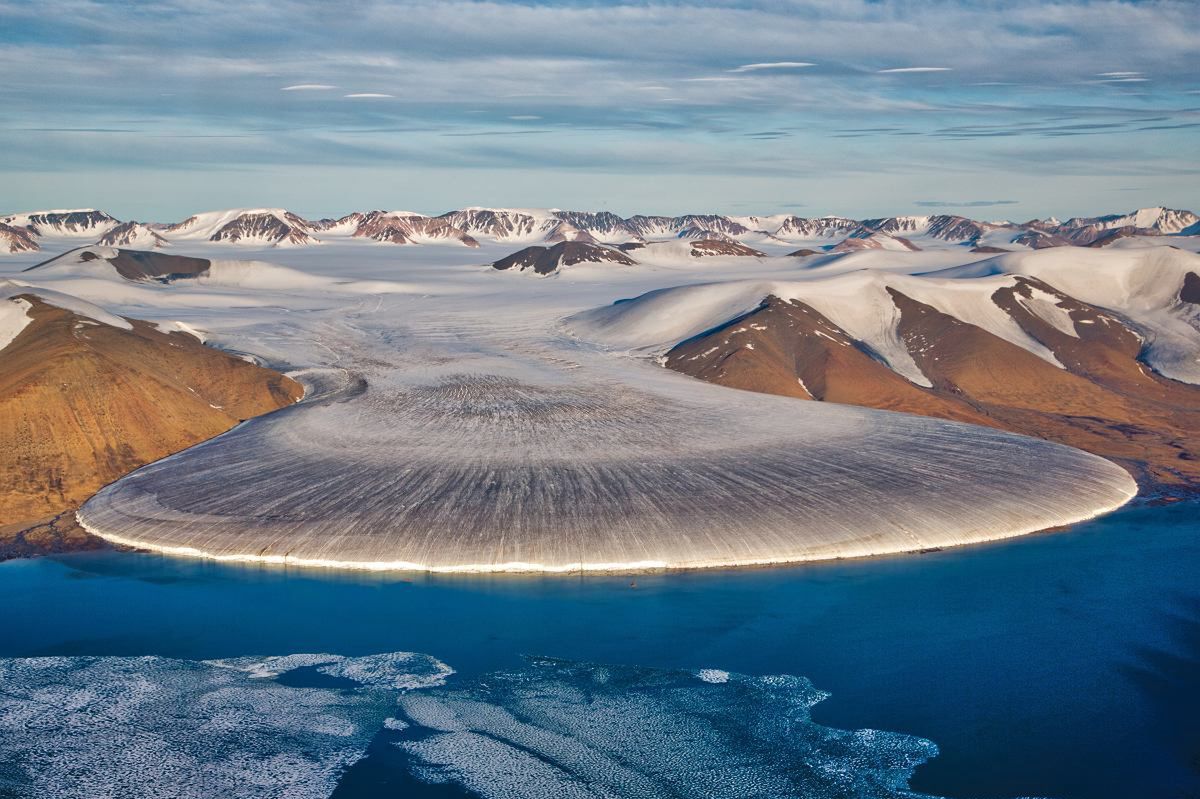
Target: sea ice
{"x": 94, "y": 727}
{"x": 567, "y": 729}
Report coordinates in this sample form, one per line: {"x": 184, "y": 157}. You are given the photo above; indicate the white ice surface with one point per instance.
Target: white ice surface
{"x": 69, "y": 302}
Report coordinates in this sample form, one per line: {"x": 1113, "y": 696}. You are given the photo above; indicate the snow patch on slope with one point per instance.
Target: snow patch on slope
{"x": 1140, "y": 285}
{"x": 14, "y": 318}
{"x": 857, "y": 302}
{"x": 11, "y": 288}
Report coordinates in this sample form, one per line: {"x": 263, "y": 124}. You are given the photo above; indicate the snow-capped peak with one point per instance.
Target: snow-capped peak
{"x": 68, "y": 222}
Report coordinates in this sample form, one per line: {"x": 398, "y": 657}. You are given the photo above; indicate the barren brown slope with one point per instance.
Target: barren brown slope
{"x": 1105, "y": 401}
{"x": 547, "y": 260}
{"x": 1096, "y": 403}
{"x": 82, "y": 403}
{"x": 789, "y": 348}
{"x": 1191, "y": 288}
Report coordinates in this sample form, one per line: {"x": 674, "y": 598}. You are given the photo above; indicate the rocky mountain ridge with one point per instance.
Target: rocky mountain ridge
{"x": 469, "y": 227}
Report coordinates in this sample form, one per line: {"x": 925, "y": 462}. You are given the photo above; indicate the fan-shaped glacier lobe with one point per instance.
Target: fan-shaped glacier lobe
{"x": 470, "y": 452}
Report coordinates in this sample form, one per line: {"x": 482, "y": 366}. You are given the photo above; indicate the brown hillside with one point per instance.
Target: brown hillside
{"x": 789, "y": 348}
{"x": 1105, "y": 401}
{"x": 82, "y": 403}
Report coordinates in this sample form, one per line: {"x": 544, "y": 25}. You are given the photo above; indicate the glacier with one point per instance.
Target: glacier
{"x": 455, "y": 422}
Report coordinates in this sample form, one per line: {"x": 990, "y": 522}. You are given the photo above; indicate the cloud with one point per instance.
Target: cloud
{"x": 712, "y": 98}
{"x": 773, "y": 65}
{"x": 1172, "y": 127}
{"x": 895, "y": 70}
{"x": 523, "y": 117}
{"x": 963, "y": 203}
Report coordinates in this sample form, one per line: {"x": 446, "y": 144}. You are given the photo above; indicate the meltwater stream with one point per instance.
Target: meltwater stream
{"x": 1064, "y": 665}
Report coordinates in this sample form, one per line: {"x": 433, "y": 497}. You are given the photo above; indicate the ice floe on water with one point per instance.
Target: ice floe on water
{"x": 713, "y": 675}
{"x": 152, "y": 727}
{"x": 565, "y": 729}
{"x": 399, "y": 670}
{"x": 295, "y": 726}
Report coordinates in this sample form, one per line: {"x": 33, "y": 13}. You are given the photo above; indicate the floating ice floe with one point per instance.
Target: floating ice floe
{"x": 292, "y": 725}
{"x": 583, "y": 731}
{"x": 152, "y": 727}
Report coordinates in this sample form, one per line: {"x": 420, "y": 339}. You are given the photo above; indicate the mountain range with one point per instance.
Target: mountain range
{"x": 469, "y": 227}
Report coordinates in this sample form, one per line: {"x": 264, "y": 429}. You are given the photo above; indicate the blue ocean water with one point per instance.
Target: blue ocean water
{"x": 1065, "y": 664}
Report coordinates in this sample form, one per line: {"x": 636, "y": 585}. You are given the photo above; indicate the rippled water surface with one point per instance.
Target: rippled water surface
{"x": 1063, "y": 664}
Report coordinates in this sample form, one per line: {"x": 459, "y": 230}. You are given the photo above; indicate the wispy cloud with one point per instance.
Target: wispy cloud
{"x": 1122, "y": 77}
{"x": 633, "y": 111}
{"x": 773, "y": 65}
{"x": 963, "y": 203}
{"x": 896, "y": 70}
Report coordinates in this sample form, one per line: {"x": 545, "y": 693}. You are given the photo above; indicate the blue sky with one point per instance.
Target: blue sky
{"x": 153, "y": 110}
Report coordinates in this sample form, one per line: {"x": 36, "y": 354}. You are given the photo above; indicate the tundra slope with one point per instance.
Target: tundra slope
{"x": 87, "y": 396}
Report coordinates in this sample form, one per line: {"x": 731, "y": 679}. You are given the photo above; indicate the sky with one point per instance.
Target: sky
{"x": 155, "y": 110}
